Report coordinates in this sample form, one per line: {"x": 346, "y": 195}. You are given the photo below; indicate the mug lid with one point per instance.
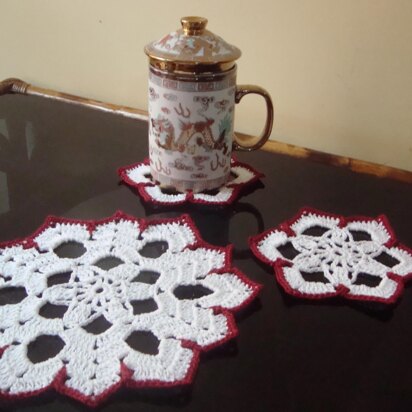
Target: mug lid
{"x": 192, "y": 45}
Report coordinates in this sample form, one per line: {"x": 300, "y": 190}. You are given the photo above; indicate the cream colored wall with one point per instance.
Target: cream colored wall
{"x": 339, "y": 71}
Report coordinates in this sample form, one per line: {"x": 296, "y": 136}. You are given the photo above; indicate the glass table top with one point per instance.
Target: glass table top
{"x": 291, "y": 354}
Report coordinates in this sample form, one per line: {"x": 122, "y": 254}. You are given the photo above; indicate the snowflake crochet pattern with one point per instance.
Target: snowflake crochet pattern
{"x": 132, "y": 281}
{"x": 318, "y": 255}
{"x": 139, "y": 177}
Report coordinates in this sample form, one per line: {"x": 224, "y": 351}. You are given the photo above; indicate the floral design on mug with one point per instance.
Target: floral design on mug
{"x": 218, "y": 163}
{"x": 180, "y": 165}
{"x": 204, "y": 101}
{"x": 225, "y": 128}
{"x": 179, "y": 44}
{"x": 160, "y": 168}
{"x": 163, "y": 131}
{"x": 199, "y": 160}
{"x": 170, "y": 96}
{"x": 198, "y": 175}
{"x": 184, "y": 112}
{"x": 152, "y": 94}
{"x": 221, "y": 105}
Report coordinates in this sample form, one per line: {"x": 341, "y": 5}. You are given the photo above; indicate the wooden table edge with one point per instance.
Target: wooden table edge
{"x": 17, "y": 86}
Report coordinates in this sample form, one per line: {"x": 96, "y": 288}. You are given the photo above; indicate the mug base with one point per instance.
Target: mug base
{"x": 182, "y": 186}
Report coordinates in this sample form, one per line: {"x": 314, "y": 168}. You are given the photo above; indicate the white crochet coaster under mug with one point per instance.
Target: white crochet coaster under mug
{"x": 139, "y": 176}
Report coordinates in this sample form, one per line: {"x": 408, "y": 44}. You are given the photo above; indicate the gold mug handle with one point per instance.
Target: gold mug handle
{"x": 241, "y": 91}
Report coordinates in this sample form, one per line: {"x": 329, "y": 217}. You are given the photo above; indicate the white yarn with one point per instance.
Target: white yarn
{"x": 93, "y": 361}
{"x": 138, "y": 175}
{"x": 338, "y": 256}
{"x": 155, "y": 193}
{"x": 222, "y": 196}
{"x": 243, "y": 175}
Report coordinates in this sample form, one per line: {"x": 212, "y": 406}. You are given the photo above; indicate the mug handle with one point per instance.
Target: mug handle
{"x": 241, "y": 91}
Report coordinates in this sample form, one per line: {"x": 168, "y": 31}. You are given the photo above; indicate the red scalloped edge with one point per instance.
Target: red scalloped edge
{"x": 341, "y": 290}
{"x": 190, "y": 198}
{"x": 126, "y": 380}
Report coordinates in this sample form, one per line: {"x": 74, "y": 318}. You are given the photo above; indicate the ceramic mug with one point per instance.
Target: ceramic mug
{"x": 191, "y": 122}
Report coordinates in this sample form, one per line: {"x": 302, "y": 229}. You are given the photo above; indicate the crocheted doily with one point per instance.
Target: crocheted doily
{"x": 318, "y": 255}
{"x": 134, "y": 304}
{"x": 139, "y": 177}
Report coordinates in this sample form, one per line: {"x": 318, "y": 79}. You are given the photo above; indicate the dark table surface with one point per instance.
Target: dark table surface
{"x": 290, "y": 355}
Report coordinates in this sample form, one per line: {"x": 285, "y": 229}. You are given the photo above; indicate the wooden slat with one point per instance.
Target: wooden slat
{"x": 359, "y": 166}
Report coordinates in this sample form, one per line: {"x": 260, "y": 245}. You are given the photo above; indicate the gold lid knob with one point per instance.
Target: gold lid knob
{"x": 193, "y": 25}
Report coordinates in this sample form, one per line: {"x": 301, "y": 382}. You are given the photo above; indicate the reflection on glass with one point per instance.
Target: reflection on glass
{"x": 3, "y": 128}
{"x": 30, "y": 139}
{"x": 4, "y": 194}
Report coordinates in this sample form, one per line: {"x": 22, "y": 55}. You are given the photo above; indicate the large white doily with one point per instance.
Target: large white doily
{"x": 318, "y": 255}
{"x": 134, "y": 306}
